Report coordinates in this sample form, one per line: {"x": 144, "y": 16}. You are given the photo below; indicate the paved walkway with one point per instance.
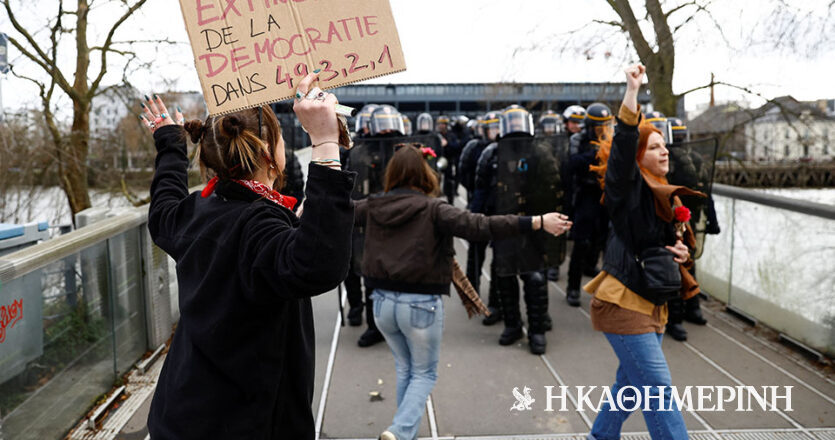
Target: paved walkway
{"x": 355, "y": 387}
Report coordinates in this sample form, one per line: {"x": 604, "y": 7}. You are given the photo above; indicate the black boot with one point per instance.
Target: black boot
{"x": 510, "y": 335}
{"x": 536, "y": 303}
{"x": 536, "y": 343}
{"x": 572, "y": 297}
{"x": 370, "y": 337}
{"x": 693, "y": 311}
{"x": 554, "y": 274}
{"x": 548, "y": 323}
{"x": 355, "y": 316}
{"x": 495, "y": 316}
{"x": 575, "y": 265}
{"x": 674, "y": 327}
{"x": 677, "y": 331}
{"x": 508, "y": 292}
{"x": 494, "y": 303}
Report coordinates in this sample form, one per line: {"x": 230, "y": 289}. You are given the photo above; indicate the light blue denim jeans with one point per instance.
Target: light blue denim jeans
{"x": 642, "y": 363}
{"x": 412, "y": 324}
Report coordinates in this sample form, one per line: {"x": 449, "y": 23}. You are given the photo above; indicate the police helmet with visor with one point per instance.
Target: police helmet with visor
{"x": 364, "y": 118}
{"x": 663, "y": 125}
{"x": 516, "y": 119}
{"x": 386, "y": 119}
{"x": 424, "y": 123}
{"x": 549, "y": 122}
{"x": 599, "y": 122}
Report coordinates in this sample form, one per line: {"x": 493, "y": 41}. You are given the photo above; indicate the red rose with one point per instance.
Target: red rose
{"x": 682, "y": 214}
{"x": 428, "y": 152}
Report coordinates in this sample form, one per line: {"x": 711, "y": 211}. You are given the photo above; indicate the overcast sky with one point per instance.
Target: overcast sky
{"x": 474, "y": 41}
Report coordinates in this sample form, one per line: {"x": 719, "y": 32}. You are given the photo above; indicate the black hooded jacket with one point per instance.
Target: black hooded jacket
{"x": 240, "y": 365}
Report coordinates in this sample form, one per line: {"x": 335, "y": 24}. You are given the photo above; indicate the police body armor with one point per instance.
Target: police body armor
{"x": 692, "y": 165}
{"x": 528, "y": 183}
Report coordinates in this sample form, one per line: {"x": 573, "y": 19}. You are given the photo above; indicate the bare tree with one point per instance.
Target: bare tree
{"x": 654, "y": 30}
{"x": 71, "y": 151}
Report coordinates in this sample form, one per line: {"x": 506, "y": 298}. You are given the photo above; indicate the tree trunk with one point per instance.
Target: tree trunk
{"x": 74, "y": 175}
{"x": 661, "y": 88}
{"x": 74, "y": 178}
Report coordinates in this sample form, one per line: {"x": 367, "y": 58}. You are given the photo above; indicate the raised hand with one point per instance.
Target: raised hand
{"x": 156, "y": 115}
{"x": 635, "y": 76}
{"x": 316, "y": 113}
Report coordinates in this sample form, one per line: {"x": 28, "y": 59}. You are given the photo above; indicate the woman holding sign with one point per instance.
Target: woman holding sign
{"x": 240, "y": 365}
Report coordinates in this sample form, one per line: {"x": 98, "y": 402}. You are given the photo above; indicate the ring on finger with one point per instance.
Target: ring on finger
{"x": 299, "y": 95}
{"x": 163, "y": 115}
{"x": 158, "y": 120}
{"x": 315, "y": 93}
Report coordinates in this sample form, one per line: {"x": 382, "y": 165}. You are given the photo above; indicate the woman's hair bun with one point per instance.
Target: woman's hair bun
{"x": 194, "y": 128}
{"x": 232, "y": 126}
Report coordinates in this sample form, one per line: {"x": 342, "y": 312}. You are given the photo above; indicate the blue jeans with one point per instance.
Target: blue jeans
{"x": 412, "y": 324}
{"x": 642, "y": 363}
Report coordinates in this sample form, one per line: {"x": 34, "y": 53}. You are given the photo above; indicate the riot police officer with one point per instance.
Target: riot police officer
{"x": 424, "y": 124}
{"x": 583, "y": 192}
{"x": 510, "y": 257}
{"x": 407, "y": 126}
{"x": 363, "y": 118}
{"x": 451, "y": 146}
{"x": 549, "y": 123}
{"x": 489, "y": 127}
{"x": 353, "y": 281}
{"x": 371, "y": 152}
{"x": 691, "y": 169}
{"x": 574, "y": 116}
{"x": 293, "y": 177}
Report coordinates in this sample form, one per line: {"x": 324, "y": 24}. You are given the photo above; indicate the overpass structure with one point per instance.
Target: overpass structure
{"x": 469, "y": 99}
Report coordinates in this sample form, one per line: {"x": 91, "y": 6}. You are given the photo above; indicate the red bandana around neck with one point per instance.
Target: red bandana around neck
{"x": 258, "y": 188}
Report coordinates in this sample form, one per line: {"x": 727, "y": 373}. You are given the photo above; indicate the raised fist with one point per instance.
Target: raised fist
{"x": 635, "y": 75}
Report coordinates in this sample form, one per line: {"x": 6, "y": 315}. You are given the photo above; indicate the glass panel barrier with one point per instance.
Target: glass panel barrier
{"x": 60, "y": 352}
{"x": 713, "y": 269}
{"x": 782, "y": 271}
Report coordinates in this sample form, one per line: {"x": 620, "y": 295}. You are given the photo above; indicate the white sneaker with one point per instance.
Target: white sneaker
{"x": 386, "y": 435}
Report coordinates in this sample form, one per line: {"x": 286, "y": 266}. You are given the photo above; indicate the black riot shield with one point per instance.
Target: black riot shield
{"x": 692, "y": 164}
{"x": 370, "y": 156}
{"x": 558, "y": 145}
{"x": 528, "y": 184}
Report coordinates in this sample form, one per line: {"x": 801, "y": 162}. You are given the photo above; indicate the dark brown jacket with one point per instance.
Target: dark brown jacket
{"x": 408, "y": 239}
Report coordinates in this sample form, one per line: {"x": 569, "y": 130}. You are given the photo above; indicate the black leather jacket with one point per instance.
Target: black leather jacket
{"x": 631, "y": 206}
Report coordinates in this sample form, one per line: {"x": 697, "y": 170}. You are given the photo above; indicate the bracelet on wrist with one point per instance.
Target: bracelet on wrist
{"x": 325, "y": 143}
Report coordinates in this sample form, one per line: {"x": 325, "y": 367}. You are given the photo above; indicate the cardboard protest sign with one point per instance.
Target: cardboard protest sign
{"x": 253, "y": 52}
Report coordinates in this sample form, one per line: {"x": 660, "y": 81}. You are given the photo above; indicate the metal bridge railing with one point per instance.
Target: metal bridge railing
{"x": 76, "y": 313}
{"x": 774, "y": 263}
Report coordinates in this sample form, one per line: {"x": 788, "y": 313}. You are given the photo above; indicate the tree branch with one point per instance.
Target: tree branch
{"x": 624, "y": 11}
{"x": 108, "y": 42}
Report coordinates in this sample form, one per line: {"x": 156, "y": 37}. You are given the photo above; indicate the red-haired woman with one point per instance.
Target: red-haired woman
{"x": 240, "y": 365}
{"x": 408, "y": 261}
{"x": 628, "y": 307}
